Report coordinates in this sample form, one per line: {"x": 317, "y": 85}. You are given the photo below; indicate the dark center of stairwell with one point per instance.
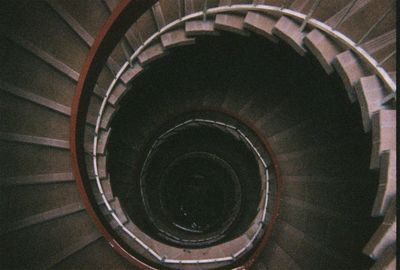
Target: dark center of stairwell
{"x": 194, "y": 188}
{"x": 197, "y": 191}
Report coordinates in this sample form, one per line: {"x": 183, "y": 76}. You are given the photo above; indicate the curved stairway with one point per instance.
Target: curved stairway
{"x": 313, "y": 81}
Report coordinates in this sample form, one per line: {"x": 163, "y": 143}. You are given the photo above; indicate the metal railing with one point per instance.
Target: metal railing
{"x": 245, "y": 139}
{"x": 261, "y": 223}
{"x": 267, "y": 9}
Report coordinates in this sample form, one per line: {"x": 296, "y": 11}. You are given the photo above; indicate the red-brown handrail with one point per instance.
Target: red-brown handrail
{"x": 122, "y": 17}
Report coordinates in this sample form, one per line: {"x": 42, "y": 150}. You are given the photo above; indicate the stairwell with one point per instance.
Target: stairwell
{"x": 306, "y": 87}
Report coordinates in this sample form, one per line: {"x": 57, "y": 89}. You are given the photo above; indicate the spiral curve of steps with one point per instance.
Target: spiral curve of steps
{"x": 309, "y": 84}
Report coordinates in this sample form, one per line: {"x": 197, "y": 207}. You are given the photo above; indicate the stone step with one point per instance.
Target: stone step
{"x": 289, "y": 31}
{"x": 200, "y": 27}
{"x": 231, "y": 23}
{"x": 92, "y": 256}
{"x": 102, "y": 142}
{"x": 108, "y": 193}
{"x": 176, "y": 38}
{"x": 62, "y": 239}
{"x": 387, "y": 183}
{"x": 323, "y": 48}
{"x": 120, "y": 89}
{"x": 387, "y": 260}
{"x": 385, "y": 236}
{"x": 151, "y": 53}
{"x": 261, "y": 24}
{"x": 275, "y": 258}
{"x": 76, "y": 16}
{"x": 131, "y": 73}
{"x": 37, "y": 179}
{"x": 101, "y": 166}
{"x": 42, "y": 217}
{"x": 350, "y": 70}
{"x": 383, "y": 135}
{"x": 300, "y": 244}
{"x": 370, "y": 94}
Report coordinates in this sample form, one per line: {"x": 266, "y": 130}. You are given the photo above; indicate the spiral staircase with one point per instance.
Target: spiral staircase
{"x": 195, "y": 134}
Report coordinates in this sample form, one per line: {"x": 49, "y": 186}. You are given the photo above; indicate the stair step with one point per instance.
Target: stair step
{"x": 106, "y": 186}
{"x": 118, "y": 92}
{"x": 41, "y": 217}
{"x": 215, "y": 98}
{"x": 21, "y": 116}
{"x": 323, "y": 48}
{"x": 385, "y": 236}
{"x": 387, "y": 183}
{"x": 50, "y": 40}
{"x": 383, "y": 135}
{"x": 301, "y": 244}
{"x": 387, "y": 260}
{"x": 370, "y": 94}
{"x": 131, "y": 73}
{"x": 33, "y": 75}
{"x": 231, "y": 23}
{"x": 193, "y": 28}
{"x": 108, "y": 115}
{"x": 72, "y": 22}
{"x": 322, "y": 214}
{"x": 101, "y": 166}
{"x": 72, "y": 249}
{"x": 328, "y": 160}
{"x": 140, "y": 235}
{"x": 42, "y": 141}
{"x": 275, "y": 258}
{"x": 176, "y": 38}
{"x": 350, "y": 69}
{"x": 281, "y": 117}
{"x": 75, "y": 25}
{"x": 261, "y": 24}
{"x": 253, "y": 108}
{"x": 236, "y": 99}
{"x": 96, "y": 254}
{"x": 37, "y": 179}
{"x": 152, "y": 53}
{"x": 27, "y": 203}
{"x": 289, "y": 31}
{"x": 48, "y": 243}
{"x": 102, "y": 142}
{"x": 116, "y": 205}
{"x": 308, "y": 131}
{"x": 30, "y": 159}
{"x": 308, "y": 205}
{"x": 46, "y": 57}
{"x": 50, "y": 60}
{"x": 28, "y": 95}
